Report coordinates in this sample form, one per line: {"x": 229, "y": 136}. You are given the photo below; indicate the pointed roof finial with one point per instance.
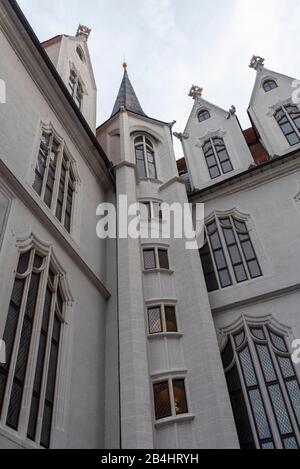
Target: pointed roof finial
{"x": 125, "y": 65}
{"x": 195, "y": 92}
{"x": 257, "y": 62}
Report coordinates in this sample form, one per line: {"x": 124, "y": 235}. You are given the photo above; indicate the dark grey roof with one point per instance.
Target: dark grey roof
{"x": 127, "y": 98}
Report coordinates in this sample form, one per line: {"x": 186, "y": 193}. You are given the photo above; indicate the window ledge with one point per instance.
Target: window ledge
{"x": 167, "y": 335}
{"x": 159, "y": 271}
{"x": 174, "y": 419}
{"x": 156, "y": 181}
{"x": 15, "y": 438}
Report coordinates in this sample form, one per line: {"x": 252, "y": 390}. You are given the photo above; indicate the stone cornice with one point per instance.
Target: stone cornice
{"x": 257, "y": 299}
{"x": 18, "y": 189}
{"x": 254, "y": 177}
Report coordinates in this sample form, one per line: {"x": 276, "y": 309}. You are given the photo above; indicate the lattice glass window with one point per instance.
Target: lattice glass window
{"x": 217, "y": 157}
{"x": 165, "y": 406}
{"x": 162, "y": 400}
{"x": 288, "y": 118}
{"x": 162, "y": 318}
{"x": 156, "y": 258}
{"x": 269, "y": 85}
{"x": 37, "y": 304}
{"x": 149, "y": 259}
{"x": 55, "y": 179}
{"x": 228, "y": 253}
{"x": 265, "y": 391}
{"x": 145, "y": 157}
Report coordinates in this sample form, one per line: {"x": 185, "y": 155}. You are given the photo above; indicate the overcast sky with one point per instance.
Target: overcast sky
{"x": 172, "y": 44}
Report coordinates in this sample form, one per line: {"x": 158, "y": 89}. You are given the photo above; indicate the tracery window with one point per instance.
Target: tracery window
{"x": 217, "y": 157}
{"x": 145, "y": 157}
{"x": 263, "y": 387}
{"x": 288, "y": 118}
{"x": 228, "y": 255}
{"x": 32, "y": 332}
{"x": 54, "y": 179}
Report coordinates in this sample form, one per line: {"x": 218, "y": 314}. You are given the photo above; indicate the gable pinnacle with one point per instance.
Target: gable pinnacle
{"x": 257, "y": 62}
{"x": 83, "y": 31}
{"x": 195, "y": 92}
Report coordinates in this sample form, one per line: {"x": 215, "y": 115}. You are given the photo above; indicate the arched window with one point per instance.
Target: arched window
{"x": 33, "y": 329}
{"x": 76, "y": 88}
{"x": 203, "y": 115}
{"x": 145, "y": 157}
{"x": 228, "y": 255}
{"x": 263, "y": 387}
{"x": 55, "y": 180}
{"x": 269, "y": 85}
{"x": 288, "y": 118}
{"x": 80, "y": 53}
{"x": 217, "y": 158}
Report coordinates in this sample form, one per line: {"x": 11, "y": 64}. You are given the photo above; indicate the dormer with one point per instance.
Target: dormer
{"x": 274, "y": 109}
{"x": 70, "y": 55}
{"x": 213, "y": 143}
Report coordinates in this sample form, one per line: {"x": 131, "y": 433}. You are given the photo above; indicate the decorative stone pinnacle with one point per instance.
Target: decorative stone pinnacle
{"x": 195, "y": 92}
{"x": 181, "y": 137}
{"x": 83, "y": 31}
{"x": 257, "y": 62}
{"x": 232, "y": 112}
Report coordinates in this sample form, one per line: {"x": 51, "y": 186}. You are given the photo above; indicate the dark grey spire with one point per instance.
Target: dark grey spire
{"x": 126, "y": 97}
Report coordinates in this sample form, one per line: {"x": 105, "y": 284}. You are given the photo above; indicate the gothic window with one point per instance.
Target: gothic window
{"x": 288, "y": 118}
{"x": 269, "y": 85}
{"x": 54, "y": 178}
{"x": 170, "y": 398}
{"x": 203, "y": 115}
{"x": 228, "y": 254}
{"x": 33, "y": 329}
{"x": 162, "y": 318}
{"x": 263, "y": 388}
{"x": 145, "y": 158}
{"x": 156, "y": 258}
{"x": 80, "y": 53}
{"x": 217, "y": 158}
{"x": 76, "y": 88}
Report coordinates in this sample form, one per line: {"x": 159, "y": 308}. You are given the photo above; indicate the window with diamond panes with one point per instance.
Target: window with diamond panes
{"x": 228, "y": 255}
{"x": 54, "y": 179}
{"x": 257, "y": 352}
{"x": 156, "y": 258}
{"x": 149, "y": 259}
{"x": 40, "y": 307}
{"x": 288, "y": 119}
{"x": 162, "y": 400}
{"x": 162, "y": 318}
